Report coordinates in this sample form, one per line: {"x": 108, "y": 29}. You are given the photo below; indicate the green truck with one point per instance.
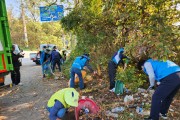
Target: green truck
{"x": 5, "y": 44}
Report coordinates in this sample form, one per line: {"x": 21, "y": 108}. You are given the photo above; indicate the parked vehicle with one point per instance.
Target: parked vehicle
{"x": 35, "y": 57}
{"x": 5, "y": 44}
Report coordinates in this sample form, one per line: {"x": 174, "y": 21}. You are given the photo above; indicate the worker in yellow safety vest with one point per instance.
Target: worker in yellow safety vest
{"x": 60, "y": 101}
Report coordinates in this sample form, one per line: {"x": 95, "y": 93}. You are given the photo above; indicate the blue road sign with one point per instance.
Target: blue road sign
{"x": 51, "y": 13}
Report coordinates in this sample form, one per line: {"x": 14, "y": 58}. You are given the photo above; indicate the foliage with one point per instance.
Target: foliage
{"x": 145, "y": 28}
{"x": 130, "y": 77}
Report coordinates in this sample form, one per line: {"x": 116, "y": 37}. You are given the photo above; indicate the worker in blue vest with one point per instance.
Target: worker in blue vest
{"x": 60, "y": 101}
{"x": 116, "y": 60}
{"x": 167, "y": 75}
{"x": 43, "y": 59}
{"x": 79, "y": 63}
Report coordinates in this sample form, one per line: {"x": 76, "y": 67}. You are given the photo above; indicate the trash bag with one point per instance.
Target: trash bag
{"x": 119, "y": 87}
{"x": 76, "y": 81}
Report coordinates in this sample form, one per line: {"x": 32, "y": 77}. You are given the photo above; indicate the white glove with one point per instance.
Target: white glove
{"x": 158, "y": 83}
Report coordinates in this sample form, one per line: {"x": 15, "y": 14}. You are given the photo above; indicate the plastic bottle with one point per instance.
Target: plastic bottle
{"x": 141, "y": 90}
{"x": 139, "y": 110}
{"x": 109, "y": 113}
{"x": 86, "y": 110}
{"x": 117, "y": 109}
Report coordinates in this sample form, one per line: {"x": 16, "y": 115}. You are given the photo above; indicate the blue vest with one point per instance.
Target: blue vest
{"x": 80, "y": 62}
{"x": 116, "y": 57}
{"x": 42, "y": 57}
{"x": 163, "y": 68}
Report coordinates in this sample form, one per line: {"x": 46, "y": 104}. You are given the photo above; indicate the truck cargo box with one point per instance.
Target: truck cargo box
{"x": 5, "y": 42}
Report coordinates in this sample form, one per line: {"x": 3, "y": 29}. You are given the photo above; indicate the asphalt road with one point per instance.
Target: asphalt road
{"x": 28, "y": 66}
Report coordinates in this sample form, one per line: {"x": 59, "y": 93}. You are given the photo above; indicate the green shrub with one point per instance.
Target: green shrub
{"x": 130, "y": 77}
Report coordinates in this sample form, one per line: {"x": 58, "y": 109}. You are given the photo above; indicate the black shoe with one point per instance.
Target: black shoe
{"x": 163, "y": 116}
{"x": 83, "y": 87}
{"x": 44, "y": 76}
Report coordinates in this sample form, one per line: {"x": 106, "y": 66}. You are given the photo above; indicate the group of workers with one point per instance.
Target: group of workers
{"x": 165, "y": 73}
{"x": 50, "y": 59}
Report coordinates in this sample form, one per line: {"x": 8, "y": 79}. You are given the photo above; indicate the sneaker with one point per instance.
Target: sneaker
{"x": 112, "y": 90}
{"x": 163, "y": 116}
{"x": 44, "y": 76}
{"x": 20, "y": 84}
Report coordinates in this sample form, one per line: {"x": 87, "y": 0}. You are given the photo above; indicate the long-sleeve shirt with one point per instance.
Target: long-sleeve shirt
{"x": 55, "y": 55}
{"x": 54, "y": 110}
{"x": 150, "y": 72}
{"x": 15, "y": 59}
{"x": 89, "y": 66}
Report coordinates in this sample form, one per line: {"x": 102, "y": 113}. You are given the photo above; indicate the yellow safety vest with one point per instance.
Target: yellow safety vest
{"x": 59, "y": 95}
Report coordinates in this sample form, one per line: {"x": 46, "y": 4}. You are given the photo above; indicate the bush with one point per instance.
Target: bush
{"x": 130, "y": 77}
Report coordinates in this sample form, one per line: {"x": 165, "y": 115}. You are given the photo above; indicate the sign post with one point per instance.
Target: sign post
{"x": 51, "y": 13}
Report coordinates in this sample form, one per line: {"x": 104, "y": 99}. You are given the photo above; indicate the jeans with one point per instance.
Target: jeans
{"x": 60, "y": 113}
{"x": 78, "y": 72}
{"x": 54, "y": 62}
{"x": 42, "y": 68}
{"x": 164, "y": 94}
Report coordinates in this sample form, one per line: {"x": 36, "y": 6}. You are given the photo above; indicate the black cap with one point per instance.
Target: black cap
{"x": 54, "y": 47}
{"x": 86, "y": 54}
{"x": 140, "y": 64}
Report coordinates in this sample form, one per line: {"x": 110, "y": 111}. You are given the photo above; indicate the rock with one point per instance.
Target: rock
{"x": 131, "y": 114}
{"x": 34, "y": 94}
{"x": 145, "y": 95}
{"x": 56, "y": 78}
{"x": 151, "y": 92}
{"x": 141, "y": 90}
{"x": 146, "y": 113}
{"x": 91, "y": 97}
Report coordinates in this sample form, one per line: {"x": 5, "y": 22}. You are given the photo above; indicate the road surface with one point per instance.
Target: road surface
{"x": 28, "y": 102}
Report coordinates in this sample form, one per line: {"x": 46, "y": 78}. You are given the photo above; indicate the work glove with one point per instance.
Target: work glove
{"x": 150, "y": 88}
{"x": 158, "y": 83}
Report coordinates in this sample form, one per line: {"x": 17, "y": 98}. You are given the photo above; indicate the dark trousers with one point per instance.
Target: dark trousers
{"x": 15, "y": 75}
{"x": 78, "y": 72}
{"x": 164, "y": 94}
{"x": 56, "y": 62}
{"x": 112, "y": 73}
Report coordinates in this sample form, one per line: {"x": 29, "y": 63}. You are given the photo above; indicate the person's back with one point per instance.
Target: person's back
{"x": 76, "y": 68}
{"x": 163, "y": 68}
{"x": 55, "y": 55}
{"x": 55, "y": 59}
{"x": 80, "y": 62}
